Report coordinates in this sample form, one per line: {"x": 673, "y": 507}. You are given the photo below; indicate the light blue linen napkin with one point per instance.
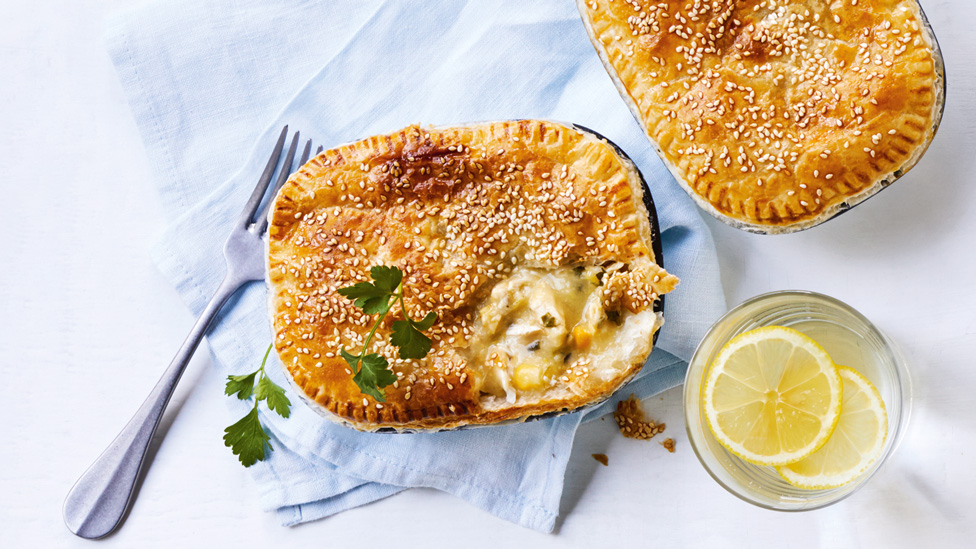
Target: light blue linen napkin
{"x": 209, "y": 81}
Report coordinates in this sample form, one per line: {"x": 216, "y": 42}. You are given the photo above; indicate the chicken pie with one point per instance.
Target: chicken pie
{"x": 529, "y": 239}
{"x": 775, "y": 115}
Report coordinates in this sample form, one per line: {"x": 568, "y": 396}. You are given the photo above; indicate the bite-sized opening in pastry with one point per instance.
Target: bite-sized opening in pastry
{"x": 545, "y": 330}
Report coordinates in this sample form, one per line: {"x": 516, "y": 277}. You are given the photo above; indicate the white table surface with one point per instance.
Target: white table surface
{"x": 88, "y": 324}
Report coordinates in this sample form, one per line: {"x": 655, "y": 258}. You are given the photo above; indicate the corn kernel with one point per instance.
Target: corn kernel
{"x": 582, "y": 337}
{"x": 527, "y": 376}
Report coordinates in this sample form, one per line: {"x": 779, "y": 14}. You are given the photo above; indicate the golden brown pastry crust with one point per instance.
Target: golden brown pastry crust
{"x": 456, "y": 209}
{"x": 775, "y": 115}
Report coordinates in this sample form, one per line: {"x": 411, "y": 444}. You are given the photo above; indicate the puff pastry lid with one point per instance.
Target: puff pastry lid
{"x": 775, "y": 114}
{"x": 530, "y": 241}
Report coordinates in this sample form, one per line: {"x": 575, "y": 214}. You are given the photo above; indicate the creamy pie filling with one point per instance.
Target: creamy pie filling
{"x": 542, "y": 328}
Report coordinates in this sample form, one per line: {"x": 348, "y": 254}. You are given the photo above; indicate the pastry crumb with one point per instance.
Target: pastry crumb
{"x": 631, "y": 421}
{"x": 602, "y": 458}
{"x": 668, "y": 444}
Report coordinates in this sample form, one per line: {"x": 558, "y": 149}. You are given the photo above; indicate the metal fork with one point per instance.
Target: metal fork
{"x": 98, "y": 502}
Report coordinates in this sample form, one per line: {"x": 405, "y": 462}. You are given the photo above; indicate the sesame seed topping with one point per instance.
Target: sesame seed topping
{"x": 456, "y": 220}
{"x": 746, "y": 88}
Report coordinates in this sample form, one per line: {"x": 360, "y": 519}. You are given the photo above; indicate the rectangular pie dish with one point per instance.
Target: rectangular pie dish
{"x": 536, "y": 243}
{"x": 776, "y": 115}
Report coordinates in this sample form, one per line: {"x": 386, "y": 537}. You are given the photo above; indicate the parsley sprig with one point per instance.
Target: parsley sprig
{"x": 247, "y": 438}
{"x": 372, "y": 371}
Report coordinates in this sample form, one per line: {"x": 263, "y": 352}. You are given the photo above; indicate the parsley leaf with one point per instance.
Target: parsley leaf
{"x": 374, "y": 298}
{"x": 275, "y": 396}
{"x": 351, "y": 359}
{"x": 247, "y": 438}
{"x": 360, "y": 289}
{"x": 386, "y": 278}
{"x": 426, "y": 322}
{"x": 412, "y": 343}
{"x": 376, "y": 305}
{"x": 363, "y": 293}
{"x": 371, "y": 372}
{"x": 241, "y": 385}
{"x": 374, "y": 374}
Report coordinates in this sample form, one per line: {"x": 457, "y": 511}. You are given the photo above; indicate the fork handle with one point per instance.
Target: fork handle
{"x": 97, "y": 503}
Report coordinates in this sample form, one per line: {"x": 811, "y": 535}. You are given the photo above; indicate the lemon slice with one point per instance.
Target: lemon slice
{"x": 772, "y": 396}
{"x": 856, "y": 443}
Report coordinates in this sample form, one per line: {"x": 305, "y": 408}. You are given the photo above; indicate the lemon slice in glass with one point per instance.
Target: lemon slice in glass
{"x": 772, "y": 396}
{"x": 856, "y": 443}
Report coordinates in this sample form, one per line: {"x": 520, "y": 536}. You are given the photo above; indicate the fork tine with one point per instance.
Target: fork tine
{"x": 305, "y": 153}
{"x": 262, "y": 186}
{"x": 319, "y": 150}
{"x": 261, "y": 221}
